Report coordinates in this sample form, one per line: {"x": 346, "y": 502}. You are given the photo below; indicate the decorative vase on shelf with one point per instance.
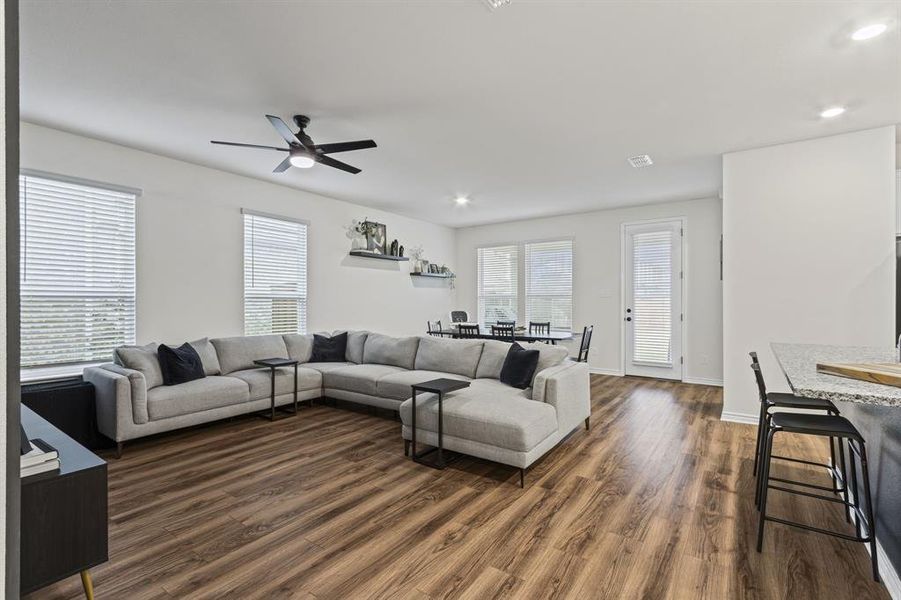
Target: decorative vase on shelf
{"x": 358, "y": 243}
{"x": 417, "y": 266}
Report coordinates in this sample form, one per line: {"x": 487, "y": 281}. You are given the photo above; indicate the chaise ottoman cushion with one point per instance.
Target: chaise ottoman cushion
{"x": 397, "y": 385}
{"x": 258, "y": 380}
{"x": 486, "y": 414}
{"x": 196, "y": 396}
{"x": 362, "y": 379}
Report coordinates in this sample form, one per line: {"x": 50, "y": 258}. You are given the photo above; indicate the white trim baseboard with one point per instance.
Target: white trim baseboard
{"x": 703, "y": 381}
{"x": 602, "y": 371}
{"x": 736, "y": 417}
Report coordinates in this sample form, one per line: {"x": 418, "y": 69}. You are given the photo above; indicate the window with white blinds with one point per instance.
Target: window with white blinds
{"x": 652, "y": 281}
{"x": 77, "y": 271}
{"x": 498, "y": 285}
{"x": 275, "y": 275}
{"x": 549, "y": 283}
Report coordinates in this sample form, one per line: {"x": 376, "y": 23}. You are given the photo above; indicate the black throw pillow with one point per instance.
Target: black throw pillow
{"x": 179, "y": 365}
{"x": 329, "y": 349}
{"x": 519, "y": 367}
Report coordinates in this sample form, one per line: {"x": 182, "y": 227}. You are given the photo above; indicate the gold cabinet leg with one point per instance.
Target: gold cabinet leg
{"x": 88, "y": 584}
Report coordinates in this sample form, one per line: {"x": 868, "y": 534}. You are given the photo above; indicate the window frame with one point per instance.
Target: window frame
{"x": 245, "y": 212}
{"x": 521, "y": 301}
{"x": 51, "y": 371}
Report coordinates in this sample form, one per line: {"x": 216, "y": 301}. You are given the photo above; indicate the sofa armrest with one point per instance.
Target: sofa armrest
{"x": 115, "y": 391}
{"x": 567, "y": 388}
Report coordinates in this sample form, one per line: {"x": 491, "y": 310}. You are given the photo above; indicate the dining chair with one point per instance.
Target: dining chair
{"x": 585, "y": 344}
{"x": 435, "y": 328}
{"x": 459, "y": 316}
{"x": 539, "y": 328}
{"x": 468, "y": 331}
{"x": 503, "y": 332}
{"x": 506, "y": 324}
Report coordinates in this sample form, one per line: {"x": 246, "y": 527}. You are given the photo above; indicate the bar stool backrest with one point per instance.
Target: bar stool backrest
{"x": 761, "y": 386}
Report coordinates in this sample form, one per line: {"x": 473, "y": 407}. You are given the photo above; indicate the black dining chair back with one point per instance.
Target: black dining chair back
{"x": 469, "y": 331}
{"x": 503, "y": 332}
{"x": 585, "y": 345}
{"x": 435, "y": 328}
{"x": 459, "y": 316}
{"x": 536, "y": 327}
{"x": 506, "y": 324}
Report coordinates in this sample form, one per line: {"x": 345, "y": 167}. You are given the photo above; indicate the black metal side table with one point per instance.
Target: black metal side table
{"x": 272, "y": 364}
{"x": 439, "y": 387}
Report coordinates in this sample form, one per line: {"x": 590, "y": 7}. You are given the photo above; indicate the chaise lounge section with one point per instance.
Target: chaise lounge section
{"x": 488, "y": 419}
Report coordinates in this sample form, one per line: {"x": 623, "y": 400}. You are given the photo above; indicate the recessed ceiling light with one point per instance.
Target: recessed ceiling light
{"x": 461, "y": 200}
{"x": 869, "y": 32}
{"x": 642, "y": 160}
{"x": 301, "y": 161}
{"x": 496, "y": 4}
{"x": 832, "y": 112}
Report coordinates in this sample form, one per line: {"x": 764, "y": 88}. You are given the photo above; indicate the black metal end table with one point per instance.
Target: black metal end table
{"x": 439, "y": 387}
{"x": 272, "y": 364}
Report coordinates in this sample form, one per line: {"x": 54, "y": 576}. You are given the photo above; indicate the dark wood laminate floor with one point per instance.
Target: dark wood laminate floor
{"x": 656, "y": 501}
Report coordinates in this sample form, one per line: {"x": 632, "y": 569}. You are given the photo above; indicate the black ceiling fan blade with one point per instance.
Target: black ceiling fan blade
{"x": 344, "y": 146}
{"x": 331, "y": 162}
{"x": 284, "y": 131}
{"x": 249, "y": 145}
{"x": 283, "y": 166}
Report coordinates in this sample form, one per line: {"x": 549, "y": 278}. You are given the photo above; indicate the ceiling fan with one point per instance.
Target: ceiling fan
{"x": 302, "y": 152}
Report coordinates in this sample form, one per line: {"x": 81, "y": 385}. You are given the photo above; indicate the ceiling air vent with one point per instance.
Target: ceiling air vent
{"x": 642, "y": 160}
{"x": 495, "y": 4}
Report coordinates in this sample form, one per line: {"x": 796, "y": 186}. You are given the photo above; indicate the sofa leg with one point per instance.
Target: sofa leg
{"x": 522, "y": 478}
{"x": 119, "y": 447}
{"x": 587, "y": 423}
{"x": 406, "y": 447}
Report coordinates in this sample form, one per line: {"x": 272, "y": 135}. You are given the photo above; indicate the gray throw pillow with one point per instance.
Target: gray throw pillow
{"x": 208, "y": 356}
{"x": 143, "y": 359}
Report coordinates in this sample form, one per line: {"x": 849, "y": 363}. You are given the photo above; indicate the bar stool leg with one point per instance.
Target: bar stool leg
{"x": 764, "y": 480}
{"x": 763, "y": 435}
{"x": 868, "y": 507}
{"x": 854, "y": 491}
{"x": 760, "y": 422}
{"x": 832, "y": 462}
{"x": 841, "y": 459}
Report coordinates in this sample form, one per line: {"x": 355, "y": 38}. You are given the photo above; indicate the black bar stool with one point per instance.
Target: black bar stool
{"x": 841, "y": 430}
{"x": 772, "y": 400}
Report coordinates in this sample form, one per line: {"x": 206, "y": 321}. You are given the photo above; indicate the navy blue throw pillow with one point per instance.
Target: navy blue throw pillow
{"x": 519, "y": 367}
{"x": 329, "y": 349}
{"x": 179, "y": 365}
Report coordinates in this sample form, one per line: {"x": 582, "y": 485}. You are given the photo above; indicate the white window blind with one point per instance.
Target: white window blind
{"x": 275, "y": 275}
{"x": 652, "y": 280}
{"x": 77, "y": 270}
{"x": 498, "y": 269}
{"x": 549, "y": 283}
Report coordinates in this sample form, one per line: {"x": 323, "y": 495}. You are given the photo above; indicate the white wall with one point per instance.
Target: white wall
{"x": 809, "y": 251}
{"x": 190, "y": 253}
{"x": 596, "y": 276}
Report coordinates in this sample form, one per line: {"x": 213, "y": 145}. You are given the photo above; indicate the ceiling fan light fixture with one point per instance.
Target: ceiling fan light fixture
{"x": 302, "y": 161}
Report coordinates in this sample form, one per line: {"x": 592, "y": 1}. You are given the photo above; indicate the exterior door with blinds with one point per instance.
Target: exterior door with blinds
{"x": 652, "y": 311}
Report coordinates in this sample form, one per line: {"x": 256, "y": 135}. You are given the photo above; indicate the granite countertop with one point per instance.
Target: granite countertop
{"x": 799, "y": 363}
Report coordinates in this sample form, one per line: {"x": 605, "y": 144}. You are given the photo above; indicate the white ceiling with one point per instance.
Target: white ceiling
{"x": 529, "y": 110}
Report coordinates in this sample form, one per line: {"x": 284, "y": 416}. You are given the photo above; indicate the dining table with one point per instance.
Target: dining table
{"x": 522, "y": 335}
{"x": 799, "y": 364}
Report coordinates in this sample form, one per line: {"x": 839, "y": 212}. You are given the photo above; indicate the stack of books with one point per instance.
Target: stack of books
{"x": 40, "y": 459}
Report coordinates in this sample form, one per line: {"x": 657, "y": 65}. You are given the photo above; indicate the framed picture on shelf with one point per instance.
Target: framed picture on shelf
{"x": 377, "y": 238}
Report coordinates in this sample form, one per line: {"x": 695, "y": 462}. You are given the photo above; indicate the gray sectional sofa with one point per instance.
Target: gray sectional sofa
{"x": 488, "y": 419}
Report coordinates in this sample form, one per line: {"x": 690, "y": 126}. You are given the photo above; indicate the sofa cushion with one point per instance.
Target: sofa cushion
{"x": 519, "y": 367}
{"x": 299, "y": 346}
{"x": 143, "y": 359}
{"x": 460, "y": 357}
{"x": 258, "y": 380}
{"x": 195, "y": 396}
{"x": 329, "y": 348}
{"x": 494, "y": 353}
{"x": 208, "y": 356}
{"x": 325, "y": 367}
{"x": 179, "y": 365}
{"x": 397, "y": 385}
{"x": 362, "y": 379}
{"x": 355, "y": 342}
{"x": 236, "y": 353}
{"x": 548, "y": 355}
{"x": 492, "y": 414}
{"x": 385, "y": 350}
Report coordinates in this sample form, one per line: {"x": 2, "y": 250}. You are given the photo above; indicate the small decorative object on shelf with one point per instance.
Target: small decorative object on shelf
{"x": 394, "y": 248}
{"x": 400, "y": 251}
{"x": 416, "y": 254}
{"x": 356, "y": 235}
